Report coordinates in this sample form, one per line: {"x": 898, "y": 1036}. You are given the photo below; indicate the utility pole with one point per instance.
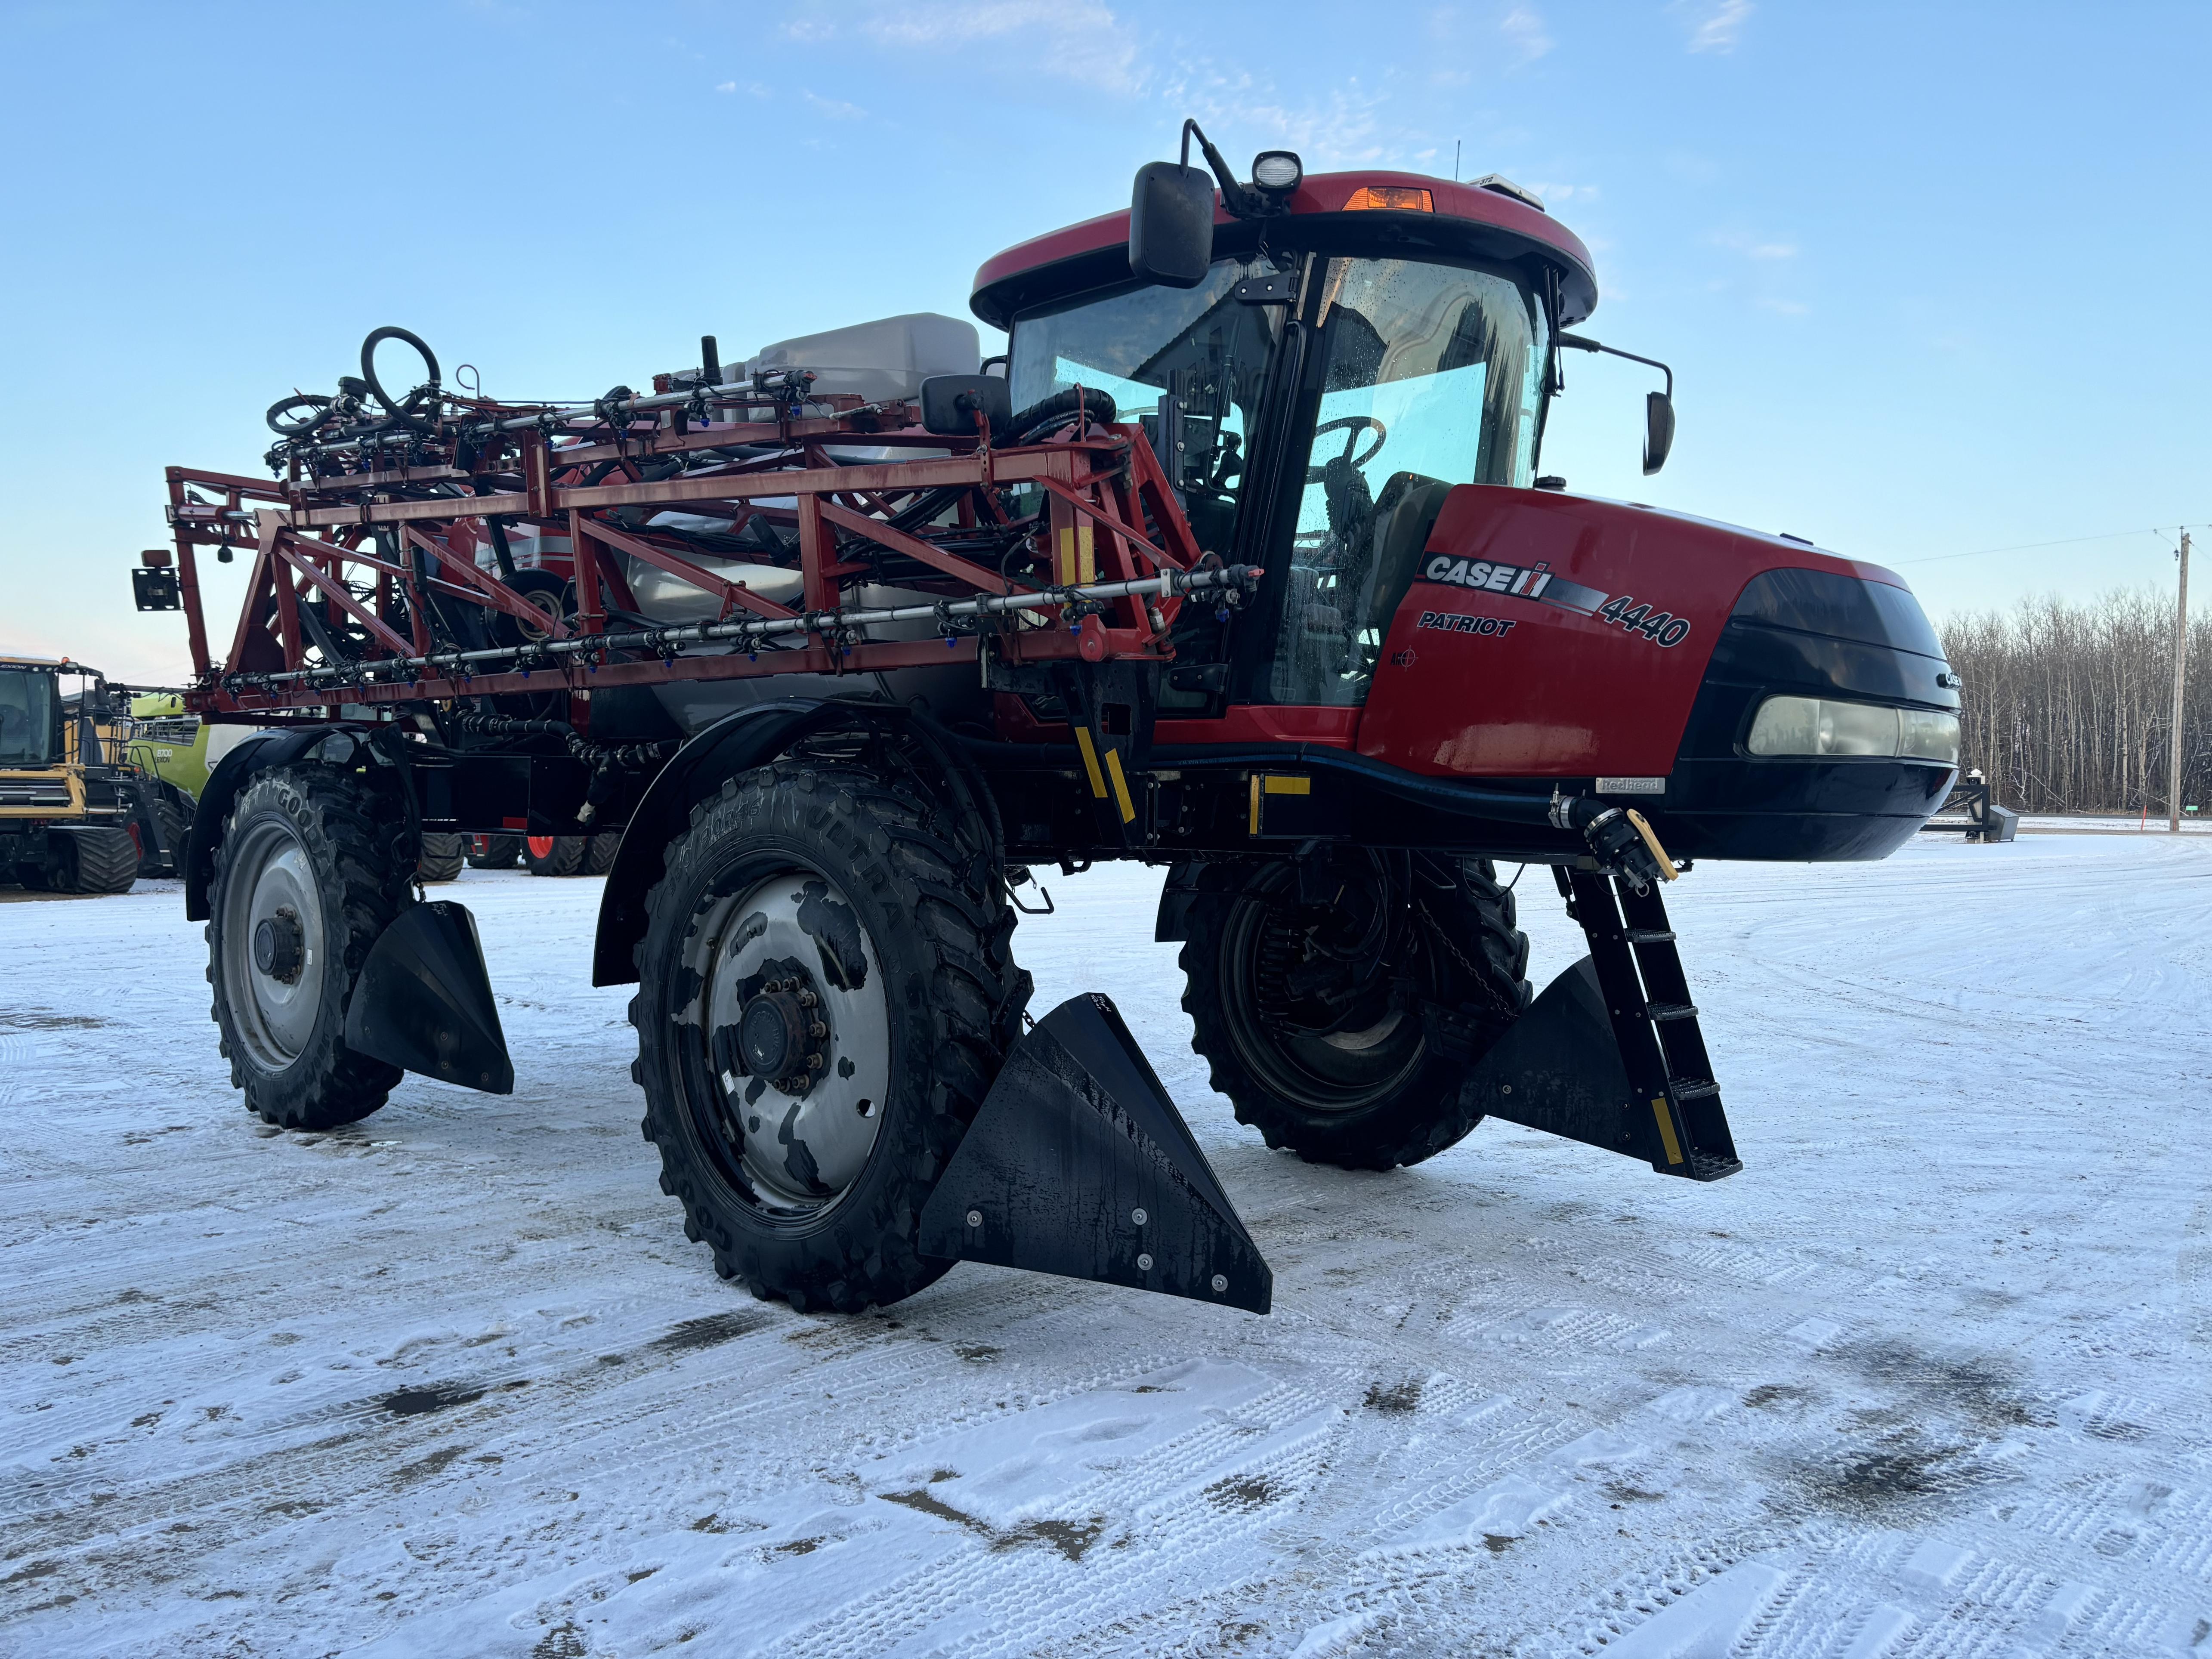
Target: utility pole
{"x": 2180, "y": 664}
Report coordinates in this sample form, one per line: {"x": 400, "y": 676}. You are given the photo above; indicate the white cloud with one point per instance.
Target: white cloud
{"x": 1752, "y": 247}
{"x": 1341, "y": 128}
{"x": 1552, "y": 193}
{"x": 1079, "y": 40}
{"x": 1524, "y": 30}
{"x": 835, "y": 109}
{"x": 727, "y": 85}
{"x": 1782, "y": 307}
{"x": 1714, "y": 25}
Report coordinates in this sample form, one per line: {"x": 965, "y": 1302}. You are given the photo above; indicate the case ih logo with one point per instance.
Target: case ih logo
{"x": 1538, "y": 582}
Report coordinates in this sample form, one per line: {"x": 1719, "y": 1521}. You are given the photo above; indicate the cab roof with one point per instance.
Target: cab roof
{"x": 1467, "y": 219}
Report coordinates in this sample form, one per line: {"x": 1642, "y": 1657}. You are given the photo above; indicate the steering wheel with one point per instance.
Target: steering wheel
{"x": 1352, "y": 426}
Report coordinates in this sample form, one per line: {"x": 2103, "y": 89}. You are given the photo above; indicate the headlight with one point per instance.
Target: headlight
{"x": 1826, "y": 725}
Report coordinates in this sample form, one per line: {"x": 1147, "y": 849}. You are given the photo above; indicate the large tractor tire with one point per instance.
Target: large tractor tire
{"x": 826, "y": 990}
{"x": 553, "y": 855}
{"x": 1340, "y": 1017}
{"x": 171, "y": 809}
{"x": 441, "y": 857}
{"x": 599, "y": 856}
{"x": 308, "y": 875}
{"x": 494, "y": 852}
{"x": 85, "y": 859}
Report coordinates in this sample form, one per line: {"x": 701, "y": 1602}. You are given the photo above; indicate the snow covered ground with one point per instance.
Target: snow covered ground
{"x": 1929, "y": 1377}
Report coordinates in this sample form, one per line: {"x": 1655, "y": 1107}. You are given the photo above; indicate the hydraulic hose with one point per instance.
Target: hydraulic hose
{"x": 1046, "y": 413}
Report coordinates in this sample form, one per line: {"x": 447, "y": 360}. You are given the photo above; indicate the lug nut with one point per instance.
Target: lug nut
{"x": 818, "y": 1029}
{"x": 807, "y": 999}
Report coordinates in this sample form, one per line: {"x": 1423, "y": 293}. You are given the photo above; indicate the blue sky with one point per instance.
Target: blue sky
{"x": 1931, "y": 276}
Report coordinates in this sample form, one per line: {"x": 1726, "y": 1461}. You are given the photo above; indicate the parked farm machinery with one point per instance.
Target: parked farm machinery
{"x": 841, "y": 643}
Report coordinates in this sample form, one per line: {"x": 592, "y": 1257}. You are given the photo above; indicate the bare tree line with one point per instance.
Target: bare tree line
{"x": 2067, "y": 706}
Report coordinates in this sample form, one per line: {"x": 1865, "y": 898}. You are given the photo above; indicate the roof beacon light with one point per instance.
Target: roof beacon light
{"x": 1277, "y": 171}
{"x": 1402, "y": 198}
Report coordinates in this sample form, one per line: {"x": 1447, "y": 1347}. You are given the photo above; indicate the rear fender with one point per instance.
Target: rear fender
{"x": 737, "y": 742}
{"x": 259, "y": 752}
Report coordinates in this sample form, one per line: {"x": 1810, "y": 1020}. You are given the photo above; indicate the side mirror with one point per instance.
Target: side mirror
{"x": 1171, "y": 225}
{"x": 1658, "y": 431}
{"x": 950, "y": 403}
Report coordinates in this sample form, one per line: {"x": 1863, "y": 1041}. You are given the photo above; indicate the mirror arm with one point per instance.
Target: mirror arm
{"x": 1240, "y": 203}
{"x": 1581, "y": 344}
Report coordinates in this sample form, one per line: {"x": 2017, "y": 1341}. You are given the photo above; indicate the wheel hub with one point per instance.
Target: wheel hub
{"x": 781, "y": 1035}
{"x": 278, "y": 945}
{"x": 1318, "y": 1000}
{"x": 797, "y": 1033}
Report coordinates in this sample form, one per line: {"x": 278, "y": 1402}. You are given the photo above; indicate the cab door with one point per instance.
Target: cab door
{"x": 1422, "y": 377}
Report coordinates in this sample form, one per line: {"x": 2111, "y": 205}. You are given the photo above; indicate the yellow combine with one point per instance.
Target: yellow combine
{"x": 90, "y": 793}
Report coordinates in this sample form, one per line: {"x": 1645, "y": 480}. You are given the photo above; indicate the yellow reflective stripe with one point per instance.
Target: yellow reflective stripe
{"x": 1667, "y": 1130}
{"x": 1121, "y": 786}
{"x": 1090, "y": 761}
{"x": 1290, "y": 786}
{"x": 1256, "y": 804}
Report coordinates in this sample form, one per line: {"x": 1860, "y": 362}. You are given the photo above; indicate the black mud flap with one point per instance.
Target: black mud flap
{"x": 424, "y": 1001}
{"x": 1560, "y": 1069}
{"x": 1078, "y": 1164}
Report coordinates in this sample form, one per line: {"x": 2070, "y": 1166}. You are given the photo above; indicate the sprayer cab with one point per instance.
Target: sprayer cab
{"x": 1348, "y": 378}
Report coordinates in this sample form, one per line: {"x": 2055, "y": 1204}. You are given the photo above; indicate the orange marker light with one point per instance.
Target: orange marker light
{"x": 1405, "y": 198}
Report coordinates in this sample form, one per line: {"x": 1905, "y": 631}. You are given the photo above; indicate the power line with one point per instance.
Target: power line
{"x": 2027, "y": 547}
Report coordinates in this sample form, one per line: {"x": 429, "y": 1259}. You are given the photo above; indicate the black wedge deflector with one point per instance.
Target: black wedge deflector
{"x": 1612, "y": 1053}
{"x": 1078, "y": 1164}
{"x": 424, "y": 1001}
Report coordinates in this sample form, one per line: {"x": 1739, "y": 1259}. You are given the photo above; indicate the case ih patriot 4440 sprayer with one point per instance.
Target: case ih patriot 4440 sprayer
{"x": 1242, "y": 567}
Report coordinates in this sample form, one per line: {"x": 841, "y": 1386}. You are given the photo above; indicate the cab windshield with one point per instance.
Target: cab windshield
{"x": 27, "y": 717}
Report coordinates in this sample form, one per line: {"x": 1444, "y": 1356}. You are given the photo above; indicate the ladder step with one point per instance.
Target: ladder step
{"x": 1665, "y": 1011}
{"x": 1650, "y": 936}
{"x": 1693, "y": 1088}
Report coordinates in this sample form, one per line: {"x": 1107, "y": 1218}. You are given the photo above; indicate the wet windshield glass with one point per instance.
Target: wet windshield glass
{"x": 1432, "y": 376}
{"x": 1196, "y": 344}
{"x": 27, "y": 717}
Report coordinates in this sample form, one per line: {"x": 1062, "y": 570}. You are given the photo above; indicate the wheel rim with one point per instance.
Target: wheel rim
{"x": 547, "y": 605}
{"x": 273, "y": 943}
{"x": 541, "y": 847}
{"x": 1330, "y": 1026}
{"x": 786, "y": 954}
